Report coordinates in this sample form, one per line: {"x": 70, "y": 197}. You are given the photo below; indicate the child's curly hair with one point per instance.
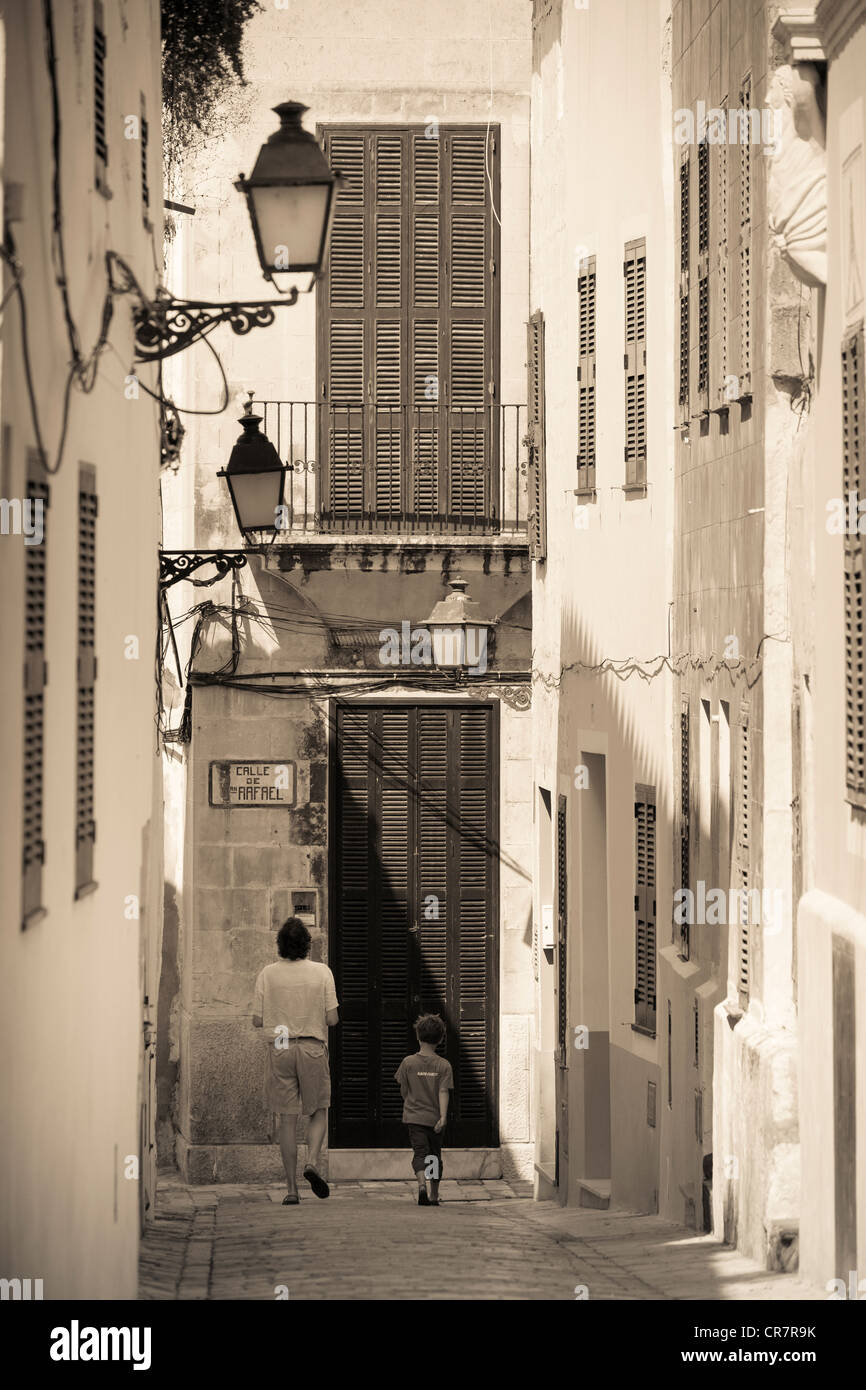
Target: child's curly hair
{"x": 429, "y": 1028}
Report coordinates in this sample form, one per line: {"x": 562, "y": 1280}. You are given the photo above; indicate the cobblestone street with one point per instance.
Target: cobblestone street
{"x": 488, "y": 1240}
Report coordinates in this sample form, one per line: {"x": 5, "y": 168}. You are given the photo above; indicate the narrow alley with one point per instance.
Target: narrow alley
{"x": 488, "y": 1240}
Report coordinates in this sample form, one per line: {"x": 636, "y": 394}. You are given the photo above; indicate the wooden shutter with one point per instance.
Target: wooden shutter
{"x": 537, "y": 520}
{"x": 685, "y": 261}
{"x": 703, "y": 277}
{"x": 473, "y": 1000}
{"x": 145, "y": 181}
{"x": 685, "y": 821}
{"x": 634, "y": 270}
{"x": 406, "y": 328}
{"x": 742, "y": 860}
{"x": 392, "y": 886}
{"x": 586, "y": 424}
{"x": 100, "y": 138}
{"x": 414, "y": 900}
{"x": 720, "y": 301}
{"x": 85, "y": 825}
{"x": 35, "y": 678}
{"x": 353, "y": 967}
{"x": 745, "y": 364}
{"x": 562, "y": 924}
{"x": 853, "y": 440}
{"x": 645, "y": 907}
{"x": 345, "y": 333}
{"x": 468, "y": 325}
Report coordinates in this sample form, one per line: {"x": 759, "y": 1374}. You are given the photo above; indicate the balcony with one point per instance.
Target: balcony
{"x": 401, "y": 470}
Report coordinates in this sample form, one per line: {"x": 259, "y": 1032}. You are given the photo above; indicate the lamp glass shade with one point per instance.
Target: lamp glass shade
{"x": 256, "y": 497}
{"x": 449, "y": 645}
{"x": 290, "y": 225}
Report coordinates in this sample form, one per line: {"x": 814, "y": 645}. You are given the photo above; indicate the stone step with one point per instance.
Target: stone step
{"x": 373, "y": 1165}
{"x": 595, "y": 1193}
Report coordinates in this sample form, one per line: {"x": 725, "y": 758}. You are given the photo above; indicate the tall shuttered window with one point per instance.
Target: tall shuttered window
{"x": 634, "y": 359}
{"x": 586, "y": 426}
{"x": 685, "y": 244}
{"x": 685, "y": 822}
{"x": 145, "y": 181}
{"x": 100, "y": 137}
{"x": 537, "y": 455}
{"x": 407, "y": 329}
{"x": 85, "y": 826}
{"x": 853, "y": 444}
{"x": 35, "y": 676}
{"x": 562, "y": 923}
{"x": 703, "y": 276}
{"x": 745, "y": 138}
{"x": 721, "y": 385}
{"x": 742, "y": 859}
{"x": 645, "y": 907}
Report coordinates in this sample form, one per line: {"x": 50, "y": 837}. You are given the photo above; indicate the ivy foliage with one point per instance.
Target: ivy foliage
{"x": 201, "y": 60}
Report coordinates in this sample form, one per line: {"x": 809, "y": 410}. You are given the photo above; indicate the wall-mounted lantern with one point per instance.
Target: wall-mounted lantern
{"x": 459, "y": 632}
{"x": 255, "y": 477}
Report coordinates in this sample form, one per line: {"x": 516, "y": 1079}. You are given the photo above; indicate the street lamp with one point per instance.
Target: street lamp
{"x": 458, "y": 631}
{"x": 290, "y": 197}
{"x": 255, "y": 477}
{"x": 256, "y": 481}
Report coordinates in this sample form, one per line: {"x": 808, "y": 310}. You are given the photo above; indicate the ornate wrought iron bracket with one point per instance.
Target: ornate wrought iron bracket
{"x": 165, "y": 326}
{"x": 179, "y": 564}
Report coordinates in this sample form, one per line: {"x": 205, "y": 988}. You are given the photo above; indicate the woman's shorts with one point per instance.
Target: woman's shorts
{"x": 297, "y": 1079}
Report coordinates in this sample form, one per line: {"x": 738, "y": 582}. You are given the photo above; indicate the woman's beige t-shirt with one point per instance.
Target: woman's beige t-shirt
{"x": 293, "y": 996}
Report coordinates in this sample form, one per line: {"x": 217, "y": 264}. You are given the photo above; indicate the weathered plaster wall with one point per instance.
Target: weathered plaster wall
{"x": 600, "y": 178}
{"x": 832, "y": 915}
{"x": 74, "y": 981}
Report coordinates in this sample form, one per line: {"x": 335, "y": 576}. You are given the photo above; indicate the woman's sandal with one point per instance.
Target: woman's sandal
{"x": 317, "y": 1183}
{"x": 291, "y": 1199}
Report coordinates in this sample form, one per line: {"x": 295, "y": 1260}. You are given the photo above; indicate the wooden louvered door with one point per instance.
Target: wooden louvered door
{"x": 413, "y": 912}
{"x": 407, "y": 342}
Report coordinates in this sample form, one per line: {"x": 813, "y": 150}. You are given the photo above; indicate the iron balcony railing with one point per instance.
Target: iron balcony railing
{"x": 369, "y": 469}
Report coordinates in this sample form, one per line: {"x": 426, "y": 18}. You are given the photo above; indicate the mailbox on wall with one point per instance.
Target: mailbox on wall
{"x": 305, "y": 905}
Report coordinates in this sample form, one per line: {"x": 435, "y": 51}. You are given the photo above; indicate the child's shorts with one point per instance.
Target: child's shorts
{"x": 426, "y": 1145}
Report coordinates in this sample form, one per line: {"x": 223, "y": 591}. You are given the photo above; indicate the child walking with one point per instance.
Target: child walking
{"x": 425, "y": 1080}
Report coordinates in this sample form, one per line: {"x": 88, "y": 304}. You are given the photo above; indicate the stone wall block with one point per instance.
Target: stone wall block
{"x": 226, "y": 1061}
{"x": 218, "y": 909}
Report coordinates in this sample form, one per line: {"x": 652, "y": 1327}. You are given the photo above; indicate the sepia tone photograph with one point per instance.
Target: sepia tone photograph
{"x": 433, "y": 606}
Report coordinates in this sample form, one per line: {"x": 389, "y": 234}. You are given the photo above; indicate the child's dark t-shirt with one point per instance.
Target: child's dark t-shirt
{"x": 421, "y": 1078}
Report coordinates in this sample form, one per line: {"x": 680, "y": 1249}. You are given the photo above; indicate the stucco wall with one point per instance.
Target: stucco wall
{"x": 600, "y": 178}
{"x": 73, "y": 983}
{"x": 833, "y": 912}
